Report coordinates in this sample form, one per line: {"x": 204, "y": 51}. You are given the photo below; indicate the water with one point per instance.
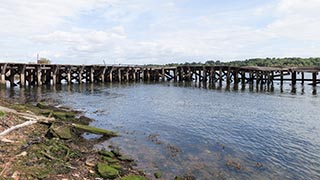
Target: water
{"x": 211, "y": 134}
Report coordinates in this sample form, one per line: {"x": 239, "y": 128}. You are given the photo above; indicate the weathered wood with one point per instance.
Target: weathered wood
{"x": 35, "y": 74}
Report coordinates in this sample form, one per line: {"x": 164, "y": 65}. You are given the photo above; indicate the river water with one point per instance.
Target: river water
{"x": 181, "y": 129}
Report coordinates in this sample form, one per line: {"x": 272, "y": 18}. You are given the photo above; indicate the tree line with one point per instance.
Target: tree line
{"x": 299, "y": 62}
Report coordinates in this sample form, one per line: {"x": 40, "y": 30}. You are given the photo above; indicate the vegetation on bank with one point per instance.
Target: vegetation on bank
{"x": 294, "y": 61}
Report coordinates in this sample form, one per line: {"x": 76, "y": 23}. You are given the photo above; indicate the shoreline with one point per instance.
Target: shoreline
{"x": 57, "y": 150}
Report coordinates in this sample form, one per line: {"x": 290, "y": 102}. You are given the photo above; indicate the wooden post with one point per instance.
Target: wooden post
{"x": 281, "y": 78}
{"x": 257, "y": 79}
{"x": 68, "y": 74}
{"x": 3, "y": 74}
{"x": 11, "y": 77}
{"x": 228, "y": 76}
{"x": 91, "y": 74}
{"x": 127, "y": 74}
{"x": 211, "y": 77}
{"x": 243, "y": 77}
{"x": 204, "y": 76}
{"x": 235, "y": 74}
{"x": 180, "y": 73}
{"x": 175, "y": 75}
{"x": 23, "y": 76}
{"x": 302, "y": 77}
{"x": 314, "y": 78}
{"x": 48, "y": 77}
{"x": 80, "y": 74}
{"x": 110, "y": 74}
{"x": 220, "y": 76}
{"x": 149, "y": 74}
{"x": 250, "y": 77}
{"x": 119, "y": 74}
{"x": 54, "y": 75}
{"x": 162, "y": 73}
{"x": 294, "y": 77}
{"x": 135, "y": 75}
{"x": 103, "y": 74}
{"x": 196, "y": 76}
{"x": 143, "y": 75}
{"x": 272, "y": 77}
{"x": 39, "y": 76}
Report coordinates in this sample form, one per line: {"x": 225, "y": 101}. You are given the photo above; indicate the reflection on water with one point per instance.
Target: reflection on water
{"x": 239, "y": 132}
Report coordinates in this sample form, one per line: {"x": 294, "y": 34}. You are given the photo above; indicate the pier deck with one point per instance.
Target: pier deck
{"x": 19, "y": 74}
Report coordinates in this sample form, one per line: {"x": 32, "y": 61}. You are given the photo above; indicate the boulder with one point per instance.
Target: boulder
{"x": 106, "y": 171}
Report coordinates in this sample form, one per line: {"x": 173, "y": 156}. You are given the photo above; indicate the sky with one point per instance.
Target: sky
{"x": 157, "y": 32}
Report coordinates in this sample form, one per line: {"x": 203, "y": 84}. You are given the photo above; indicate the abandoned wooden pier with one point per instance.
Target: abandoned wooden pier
{"x": 18, "y": 74}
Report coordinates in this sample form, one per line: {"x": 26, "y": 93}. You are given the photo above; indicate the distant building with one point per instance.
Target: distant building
{"x": 43, "y": 61}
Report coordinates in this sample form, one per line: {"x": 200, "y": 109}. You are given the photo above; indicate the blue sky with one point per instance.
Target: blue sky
{"x": 150, "y": 31}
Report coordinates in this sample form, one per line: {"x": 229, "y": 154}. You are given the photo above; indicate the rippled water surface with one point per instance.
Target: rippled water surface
{"x": 211, "y": 134}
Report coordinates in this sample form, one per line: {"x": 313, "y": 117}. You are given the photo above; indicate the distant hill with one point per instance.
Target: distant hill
{"x": 261, "y": 62}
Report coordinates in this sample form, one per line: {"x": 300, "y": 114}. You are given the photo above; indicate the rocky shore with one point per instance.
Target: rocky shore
{"x": 53, "y": 147}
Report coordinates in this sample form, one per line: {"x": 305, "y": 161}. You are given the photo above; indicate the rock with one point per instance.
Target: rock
{"x": 116, "y": 152}
{"x": 85, "y": 120}
{"x": 62, "y": 132}
{"x": 89, "y": 162}
{"x": 63, "y": 115}
{"x": 24, "y": 153}
{"x": 41, "y": 105}
{"x": 125, "y": 158}
{"x": 109, "y": 160}
{"x": 106, "y": 153}
{"x": 134, "y": 177}
{"x": 94, "y": 130}
{"x": 106, "y": 171}
{"x": 233, "y": 164}
{"x": 157, "y": 175}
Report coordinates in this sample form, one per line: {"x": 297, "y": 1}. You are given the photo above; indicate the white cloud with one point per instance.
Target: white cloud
{"x": 297, "y": 19}
{"x": 144, "y": 31}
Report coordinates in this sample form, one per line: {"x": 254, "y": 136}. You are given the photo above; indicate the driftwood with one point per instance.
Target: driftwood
{"x": 27, "y": 123}
{"x": 31, "y": 119}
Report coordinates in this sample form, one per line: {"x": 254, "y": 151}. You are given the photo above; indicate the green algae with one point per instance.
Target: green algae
{"x": 107, "y": 171}
{"x": 157, "y": 175}
{"x": 125, "y": 158}
{"x": 106, "y": 153}
{"x": 2, "y": 113}
{"x": 94, "y": 130}
{"x": 109, "y": 160}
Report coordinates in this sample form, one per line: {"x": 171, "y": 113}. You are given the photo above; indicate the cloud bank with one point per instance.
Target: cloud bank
{"x": 145, "y": 32}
